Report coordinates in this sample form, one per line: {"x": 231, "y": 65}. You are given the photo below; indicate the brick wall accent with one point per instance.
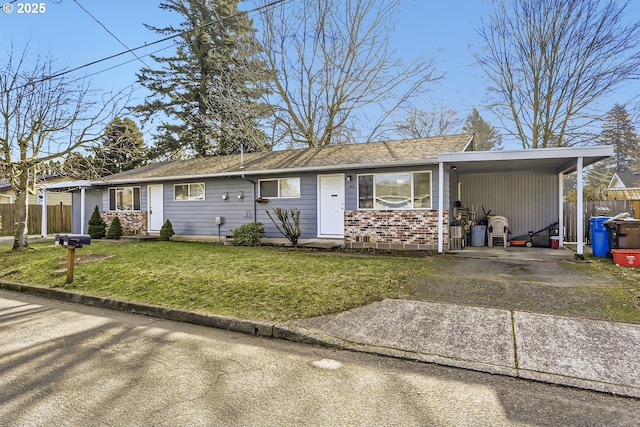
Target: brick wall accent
{"x": 133, "y": 222}
{"x": 394, "y": 229}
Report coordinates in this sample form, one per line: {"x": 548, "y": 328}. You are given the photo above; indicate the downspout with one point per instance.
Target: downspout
{"x": 440, "y": 206}
{"x": 580, "y": 212}
{"x": 8, "y": 197}
{"x": 255, "y": 196}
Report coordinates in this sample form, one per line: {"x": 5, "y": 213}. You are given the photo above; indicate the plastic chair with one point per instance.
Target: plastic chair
{"x": 497, "y": 228}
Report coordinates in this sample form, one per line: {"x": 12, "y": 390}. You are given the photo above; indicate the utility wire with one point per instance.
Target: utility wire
{"x": 62, "y": 73}
{"x": 108, "y": 31}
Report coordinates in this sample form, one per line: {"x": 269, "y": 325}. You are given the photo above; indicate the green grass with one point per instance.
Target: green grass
{"x": 263, "y": 283}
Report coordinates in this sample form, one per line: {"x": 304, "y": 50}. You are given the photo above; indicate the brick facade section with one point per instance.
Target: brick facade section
{"x": 133, "y": 222}
{"x": 394, "y": 229}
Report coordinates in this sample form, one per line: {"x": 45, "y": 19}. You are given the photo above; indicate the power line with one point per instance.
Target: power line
{"x": 181, "y": 33}
{"x": 108, "y": 31}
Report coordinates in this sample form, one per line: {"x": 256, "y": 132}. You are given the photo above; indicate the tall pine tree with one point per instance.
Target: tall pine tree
{"x": 618, "y": 130}
{"x": 208, "y": 94}
{"x": 486, "y": 136}
{"x": 122, "y": 148}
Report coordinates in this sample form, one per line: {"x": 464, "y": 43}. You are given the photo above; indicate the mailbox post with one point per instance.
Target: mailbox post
{"x": 72, "y": 241}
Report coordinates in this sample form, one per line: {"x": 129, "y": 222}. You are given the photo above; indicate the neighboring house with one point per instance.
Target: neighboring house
{"x": 386, "y": 195}
{"x": 625, "y": 186}
{"x": 8, "y": 196}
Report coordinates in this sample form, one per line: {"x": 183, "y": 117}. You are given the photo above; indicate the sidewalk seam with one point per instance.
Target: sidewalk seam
{"x": 515, "y": 341}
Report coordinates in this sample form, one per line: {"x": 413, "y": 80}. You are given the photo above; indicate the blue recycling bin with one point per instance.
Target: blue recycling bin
{"x": 599, "y": 236}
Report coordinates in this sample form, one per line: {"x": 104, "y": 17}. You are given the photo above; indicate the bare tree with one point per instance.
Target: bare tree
{"x": 424, "y": 124}
{"x": 548, "y": 61}
{"x": 43, "y": 118}
{"x": 331, "y": 60}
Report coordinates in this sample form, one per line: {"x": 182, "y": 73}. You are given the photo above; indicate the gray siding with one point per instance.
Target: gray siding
{"x": 528, "y": 200}
{"x": 92, "y": 199}
{"x": 307, "y": 203}
{"x": 198, "y": 217}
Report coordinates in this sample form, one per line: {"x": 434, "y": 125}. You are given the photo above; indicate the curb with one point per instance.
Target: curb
{"x": 300, "y": 334}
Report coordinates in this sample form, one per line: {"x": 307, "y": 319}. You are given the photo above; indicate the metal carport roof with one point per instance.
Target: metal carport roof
{"x": 559, "y": 161}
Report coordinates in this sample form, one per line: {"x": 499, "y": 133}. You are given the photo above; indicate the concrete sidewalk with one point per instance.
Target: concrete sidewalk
{"x": 595, "y": 355}
{"x": 589, "y": 354}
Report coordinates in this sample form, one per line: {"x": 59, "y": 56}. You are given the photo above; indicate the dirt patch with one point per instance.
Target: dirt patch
{"x": 84, "y": 259}
{"x": 558, "y": 287}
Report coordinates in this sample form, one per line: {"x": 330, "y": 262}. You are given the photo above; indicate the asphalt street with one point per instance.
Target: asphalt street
{"x": 65, "y": 364}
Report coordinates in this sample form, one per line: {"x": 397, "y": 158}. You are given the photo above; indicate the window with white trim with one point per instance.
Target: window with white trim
{"x": 185, "y": 192}
{"x": 124, "y": 199}
{"x": 279, "y": 188}
{"x": 399, "y": 190}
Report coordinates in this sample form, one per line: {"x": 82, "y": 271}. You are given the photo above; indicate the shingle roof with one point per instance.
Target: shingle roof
{"x": 629, "y": 179}
{"x": 352, "y": 156}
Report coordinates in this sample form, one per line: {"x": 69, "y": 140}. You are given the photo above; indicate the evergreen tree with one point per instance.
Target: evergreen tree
{"x": 97, "y": 226}
{"x": 210, "y": 89}
{"x": 115, "y": 229}
{"x": 80, "y": 165}
{"x": 166, "y": 231}
{"x": 618, "y": 130}
{"x": 122, "y": 148}
{"x": 486, "y": 136}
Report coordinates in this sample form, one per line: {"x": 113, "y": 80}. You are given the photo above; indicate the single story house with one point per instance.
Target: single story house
{"x": 626, "y": 186}
{"x": 387, "y": 195}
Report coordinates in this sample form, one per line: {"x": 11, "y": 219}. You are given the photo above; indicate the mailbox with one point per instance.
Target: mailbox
{"x": 75, "y": 240}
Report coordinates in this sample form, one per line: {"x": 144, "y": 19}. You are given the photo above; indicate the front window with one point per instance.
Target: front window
{"x": 124, "y": 199}
{"x": 402, "y": 190}
{"x": 282, "y": 187}
{"x": 188, "y": 191}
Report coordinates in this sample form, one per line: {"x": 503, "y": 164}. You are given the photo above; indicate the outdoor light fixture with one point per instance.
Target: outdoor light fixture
{"x": 225, "y": 196}
{"x": 240, "y": 195}
{"x": 349, "y": 178}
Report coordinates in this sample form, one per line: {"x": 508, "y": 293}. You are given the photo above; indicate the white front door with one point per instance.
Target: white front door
{"x": 154, "y": 208}
{"x": 331, "y": 205}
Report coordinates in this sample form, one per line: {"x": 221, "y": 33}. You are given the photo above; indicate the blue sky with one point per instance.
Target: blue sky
{"x": 67, "y": 34}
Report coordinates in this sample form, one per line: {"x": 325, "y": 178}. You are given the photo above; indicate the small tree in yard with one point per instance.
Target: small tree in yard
{"x": 166, "y": 231}
{"x": 289, "y": 223}
{"x": 97, "y": 226}
{"x": 115, "y": 229}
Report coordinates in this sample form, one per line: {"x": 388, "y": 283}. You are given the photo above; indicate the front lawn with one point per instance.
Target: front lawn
{"x": 263, "y": 283}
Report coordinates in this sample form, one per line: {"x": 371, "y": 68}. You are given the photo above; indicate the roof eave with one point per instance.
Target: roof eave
{"x": 242, "y": 173}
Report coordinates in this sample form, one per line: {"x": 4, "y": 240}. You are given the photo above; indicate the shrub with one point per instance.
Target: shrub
{"x": 289, "y": 223}
{"x": 97, "y": 226}
{"x": 115, "y": 229}
{"x": 248, "y": 234}
{"x": 166, "y": 231}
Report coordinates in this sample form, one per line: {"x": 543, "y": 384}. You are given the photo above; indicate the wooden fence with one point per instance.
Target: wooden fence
{"x": 604, "y": 208}
{"x": 58, "y": 219}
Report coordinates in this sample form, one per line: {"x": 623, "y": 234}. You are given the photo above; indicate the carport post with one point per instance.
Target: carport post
{"x": 82, "y": 209}
{"x": 579, "y": 212}
{"x": 43, "y": 222}
{"x": 440, "y": 205}
{"x": 561, "y": 209}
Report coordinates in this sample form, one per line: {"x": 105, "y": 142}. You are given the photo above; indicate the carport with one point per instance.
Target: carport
{"x": 526, "y": 186}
